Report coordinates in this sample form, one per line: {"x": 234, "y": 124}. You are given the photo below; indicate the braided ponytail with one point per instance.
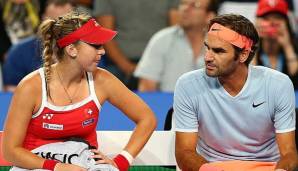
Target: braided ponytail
{"x": 46, "y": 33}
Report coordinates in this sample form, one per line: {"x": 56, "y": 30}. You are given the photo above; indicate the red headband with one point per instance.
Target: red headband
{"x": 91, "y": 32}
{"x": 231, "y": 36}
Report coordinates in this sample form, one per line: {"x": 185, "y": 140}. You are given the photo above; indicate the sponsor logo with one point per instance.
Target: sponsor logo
{"x": 64, "y": 158}
{"x": 96, "y": 24}
{"x": 256, "y": 105}
{"x": 52, "y": 126}
{"x": 88, "y": 122}
{"x": 47, "y": 116}
{"x": 272, "y": 3}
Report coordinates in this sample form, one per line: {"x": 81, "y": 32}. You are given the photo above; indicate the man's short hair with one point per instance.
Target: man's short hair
{"x": 213, "y": 6}
{"x": 241, "y": 25}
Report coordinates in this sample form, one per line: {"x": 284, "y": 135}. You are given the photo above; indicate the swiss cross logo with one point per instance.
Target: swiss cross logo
{"x": 47, "y": 116}
{"x": 88, "y": 113}
{"x": 272, "y": 3}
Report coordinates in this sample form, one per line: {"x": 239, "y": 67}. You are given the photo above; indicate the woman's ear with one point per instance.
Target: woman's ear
{"x": 71, "y": 50}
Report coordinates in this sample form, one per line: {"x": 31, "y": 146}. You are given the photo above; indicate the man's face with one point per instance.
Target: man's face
{"x": 54, "y": 11}
{"x": 193, "y": 13}
{"x": 220, "y": 59}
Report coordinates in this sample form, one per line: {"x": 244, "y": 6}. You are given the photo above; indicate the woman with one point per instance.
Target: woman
{"x": 277, "y": 48}
{"x": 63, "y": 98}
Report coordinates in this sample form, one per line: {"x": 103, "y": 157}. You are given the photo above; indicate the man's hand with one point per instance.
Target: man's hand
{"x": 288, "y": 163}
{"x": 288, "y": 153}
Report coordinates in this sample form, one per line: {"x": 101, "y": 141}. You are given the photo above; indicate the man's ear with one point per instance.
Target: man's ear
{"x": 210, "y": 16}
{"x": 71, "y": 50}
{"x": 244, "y": 55}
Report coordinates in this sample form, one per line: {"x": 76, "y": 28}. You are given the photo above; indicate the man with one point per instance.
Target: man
{"x": 136, "y": 21}
{"x": 232, "y": 110}
{"x": 25, "y": 56}
{"x": 177, "y": 49}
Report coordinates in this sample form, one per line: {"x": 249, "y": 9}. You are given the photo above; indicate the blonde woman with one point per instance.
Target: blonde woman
{"x": 63, "y": 99}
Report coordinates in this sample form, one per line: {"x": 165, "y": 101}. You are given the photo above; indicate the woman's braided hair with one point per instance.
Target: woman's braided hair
{"x": 52, "y": 30}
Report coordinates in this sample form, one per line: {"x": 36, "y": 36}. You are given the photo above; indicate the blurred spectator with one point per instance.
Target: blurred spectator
{"x": 246, "y": 8}
{"x": 5, "y": 41}
{"x": 81, "y": 6}
{"x": 25, "y": 56}
{"x": 295, "y": 5}
{"x": 277, "y": 48}
{"x": 5, "y": 44}
{"x": 136, "y": 21}
{"x": 85, "y": 5}
{"x": 20, "y": 18}
{"x": 177, "y": 49}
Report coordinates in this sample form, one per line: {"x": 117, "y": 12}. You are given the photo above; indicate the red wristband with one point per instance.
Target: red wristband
{"x": 49, "y": 164}
{"x": 121, "y": 162}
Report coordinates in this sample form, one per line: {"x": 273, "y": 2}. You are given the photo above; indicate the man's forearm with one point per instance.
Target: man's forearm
{"x": 117, "y": 56}
{"x": 114, "y": 52}
{"x": 189, "y": 160}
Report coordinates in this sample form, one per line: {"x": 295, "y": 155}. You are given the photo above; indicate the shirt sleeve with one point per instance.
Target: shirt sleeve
{"x": 284, "y": 106}
{"x": 102, "y": 7}
{"x": 13, "y": 68}
{"x": 152, "y": 61}
{"x": 186, "y": 119}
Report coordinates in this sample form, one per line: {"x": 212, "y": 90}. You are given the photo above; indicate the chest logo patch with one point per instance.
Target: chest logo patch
{"x": 88, "y": 122}
{"x": 52, "y": 126}
{"x": 47, "y": 116}
{"x": 88, "y": 113}
{"x": 256, "y": 105}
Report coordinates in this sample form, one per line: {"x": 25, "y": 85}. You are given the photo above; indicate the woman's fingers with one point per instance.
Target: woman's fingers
{"x": 100, "y": 158}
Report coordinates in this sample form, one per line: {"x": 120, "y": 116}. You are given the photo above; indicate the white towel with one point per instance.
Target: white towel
{"x": 73, "y": 152}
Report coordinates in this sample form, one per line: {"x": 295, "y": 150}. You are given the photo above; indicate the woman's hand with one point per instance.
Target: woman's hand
{"x": 283, "y": 35}
{"x": 100, "y": 158}
{"x": 68, "y": 167}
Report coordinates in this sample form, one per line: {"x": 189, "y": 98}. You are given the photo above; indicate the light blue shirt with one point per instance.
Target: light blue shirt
{"x": 242, "y": 127}
{"x": 167, "y": 56}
